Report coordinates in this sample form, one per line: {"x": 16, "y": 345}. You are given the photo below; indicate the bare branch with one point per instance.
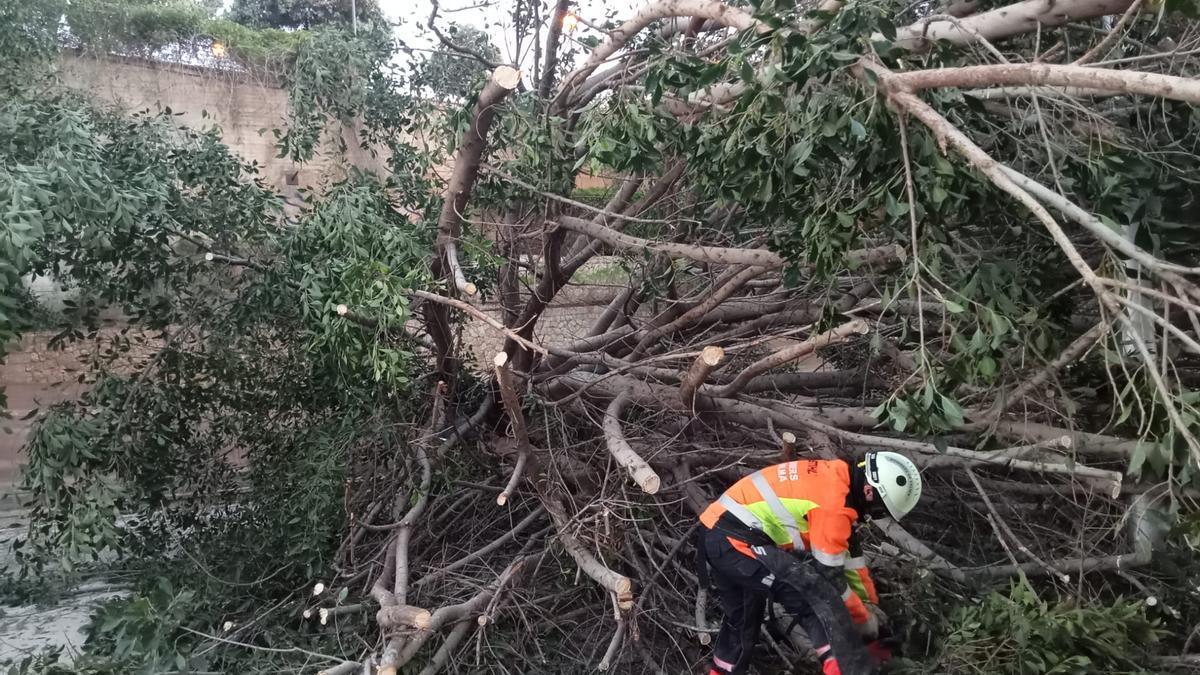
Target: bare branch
{"x": 716, "y": 254}
{"x": 512, "y": 403}
{"x": 478, "y": 314}
{"x": 1083, "y": 77}
{"x": 707, "y": 360}
{"x": 1015, "y": 19}
{"x": 638, "y": 469}
{"x": 601, "y": 574}
{"x": 831, "y": 337}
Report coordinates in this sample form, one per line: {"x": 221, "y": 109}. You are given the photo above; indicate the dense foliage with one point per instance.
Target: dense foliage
{"x": 302, "y": 14}
{"x": 450, "y": 74}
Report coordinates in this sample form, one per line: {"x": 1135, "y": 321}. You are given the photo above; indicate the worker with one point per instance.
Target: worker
{"x": 785, "y": 534}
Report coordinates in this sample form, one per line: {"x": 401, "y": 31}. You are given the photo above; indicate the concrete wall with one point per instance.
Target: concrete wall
{"x": 245, "y": 106}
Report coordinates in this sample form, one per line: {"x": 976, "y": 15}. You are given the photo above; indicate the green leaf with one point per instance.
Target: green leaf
{"x": 857, "y": 130}
{"x": 952, "y": 413}
{"x": 939, "y": 195}
{"x": 1137, "y": 459}
{"x": 987, "y": 366}
{"x": 954, "y": 307}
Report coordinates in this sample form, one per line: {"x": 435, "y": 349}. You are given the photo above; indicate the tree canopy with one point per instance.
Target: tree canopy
{"x": 301, "y": 13}
{"x": 967, "y": 233}
{"x": 453, "y": 74}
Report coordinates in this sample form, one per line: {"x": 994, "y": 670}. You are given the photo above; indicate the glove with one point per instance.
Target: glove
{"x": 880, "y": 653}
{"x": 869, "y": 631}
{"x": 878, "y": 613}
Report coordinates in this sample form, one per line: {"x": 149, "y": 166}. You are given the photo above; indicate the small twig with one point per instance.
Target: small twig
{"x": 567, "y": 200}
{"x": 258, "y": 648}
{"x": 614, "y": 645}
{"x": 1001, "y": 528}
{"x": 1102, "y": 47}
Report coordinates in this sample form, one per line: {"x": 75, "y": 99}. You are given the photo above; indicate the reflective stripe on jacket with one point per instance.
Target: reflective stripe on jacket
{"x": 801, "y": 505}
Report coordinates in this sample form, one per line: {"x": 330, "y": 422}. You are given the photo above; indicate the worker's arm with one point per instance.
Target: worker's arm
{"x": 857, "y": 574}
{"x": 829, "y": 533}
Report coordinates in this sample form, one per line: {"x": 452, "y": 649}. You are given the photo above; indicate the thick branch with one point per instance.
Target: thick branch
{"x": 503, "y": 81}
{"x": 917, "y": 548}
{"x": 442, "y": 656}
{"x": 458, "y": 192}
{"x": 601, "y": 574}
{"x": 1073, "y": 351}
{"x": 553, "y": 33}
{"x": 456, "y": 272}
{"x": 1015, "y": 19}
{"x": 717, "y": 255}
{"x": 638, "y": 469}
{"x": 707, "y": 360}
{"x": 396, "y": 616}
{"x": 1048, "y": 74}
{"x": 715, "y": 298}
{"x": 662, "y": 9}
{"x": 952, "y": 456}
{"x": 1080, "y": 565}
{"x": 831, "y": 337}
{"x": 512, "y": 403}
{"x": 447, "y": 615}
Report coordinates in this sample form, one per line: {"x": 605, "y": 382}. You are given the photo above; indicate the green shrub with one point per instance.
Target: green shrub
{"x": 256, "y": 47}
{"x": 1021, "y": 634}
{"x": 138, "y": 25}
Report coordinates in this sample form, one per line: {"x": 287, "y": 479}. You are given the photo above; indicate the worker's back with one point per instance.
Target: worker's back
{"x": 802, "y": 487}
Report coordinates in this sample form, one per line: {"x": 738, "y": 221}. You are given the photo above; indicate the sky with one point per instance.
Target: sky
{"x": 493, "y": 17}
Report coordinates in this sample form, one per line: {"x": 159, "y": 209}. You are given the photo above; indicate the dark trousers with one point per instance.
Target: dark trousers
{"x": 746, "y": 584}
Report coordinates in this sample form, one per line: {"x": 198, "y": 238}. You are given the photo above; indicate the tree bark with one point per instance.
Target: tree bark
{"x": 1054, "y": 75}
{"x": 708, "y": 359}
{"x": 396, "y": 616}
{"x": 1009, "y": 20}
{"x": 832, "y": 337}
{"x": 553, "y": 33}
{"x": 503, "y": 81}
{"x": 516, "y": 418}
{"x": 614, "y": 436}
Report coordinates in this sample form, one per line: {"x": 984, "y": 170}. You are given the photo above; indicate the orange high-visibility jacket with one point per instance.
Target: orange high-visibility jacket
{"x": 802, "y": 505}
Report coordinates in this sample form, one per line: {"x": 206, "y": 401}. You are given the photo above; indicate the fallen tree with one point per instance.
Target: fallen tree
{"x": 827, "y": 247}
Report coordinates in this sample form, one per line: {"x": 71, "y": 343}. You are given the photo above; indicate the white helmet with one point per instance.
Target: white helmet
{"x": 896, "y": 479}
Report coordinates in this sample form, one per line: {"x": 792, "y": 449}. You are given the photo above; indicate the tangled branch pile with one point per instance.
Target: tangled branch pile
{"x": 964, "y": 233}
